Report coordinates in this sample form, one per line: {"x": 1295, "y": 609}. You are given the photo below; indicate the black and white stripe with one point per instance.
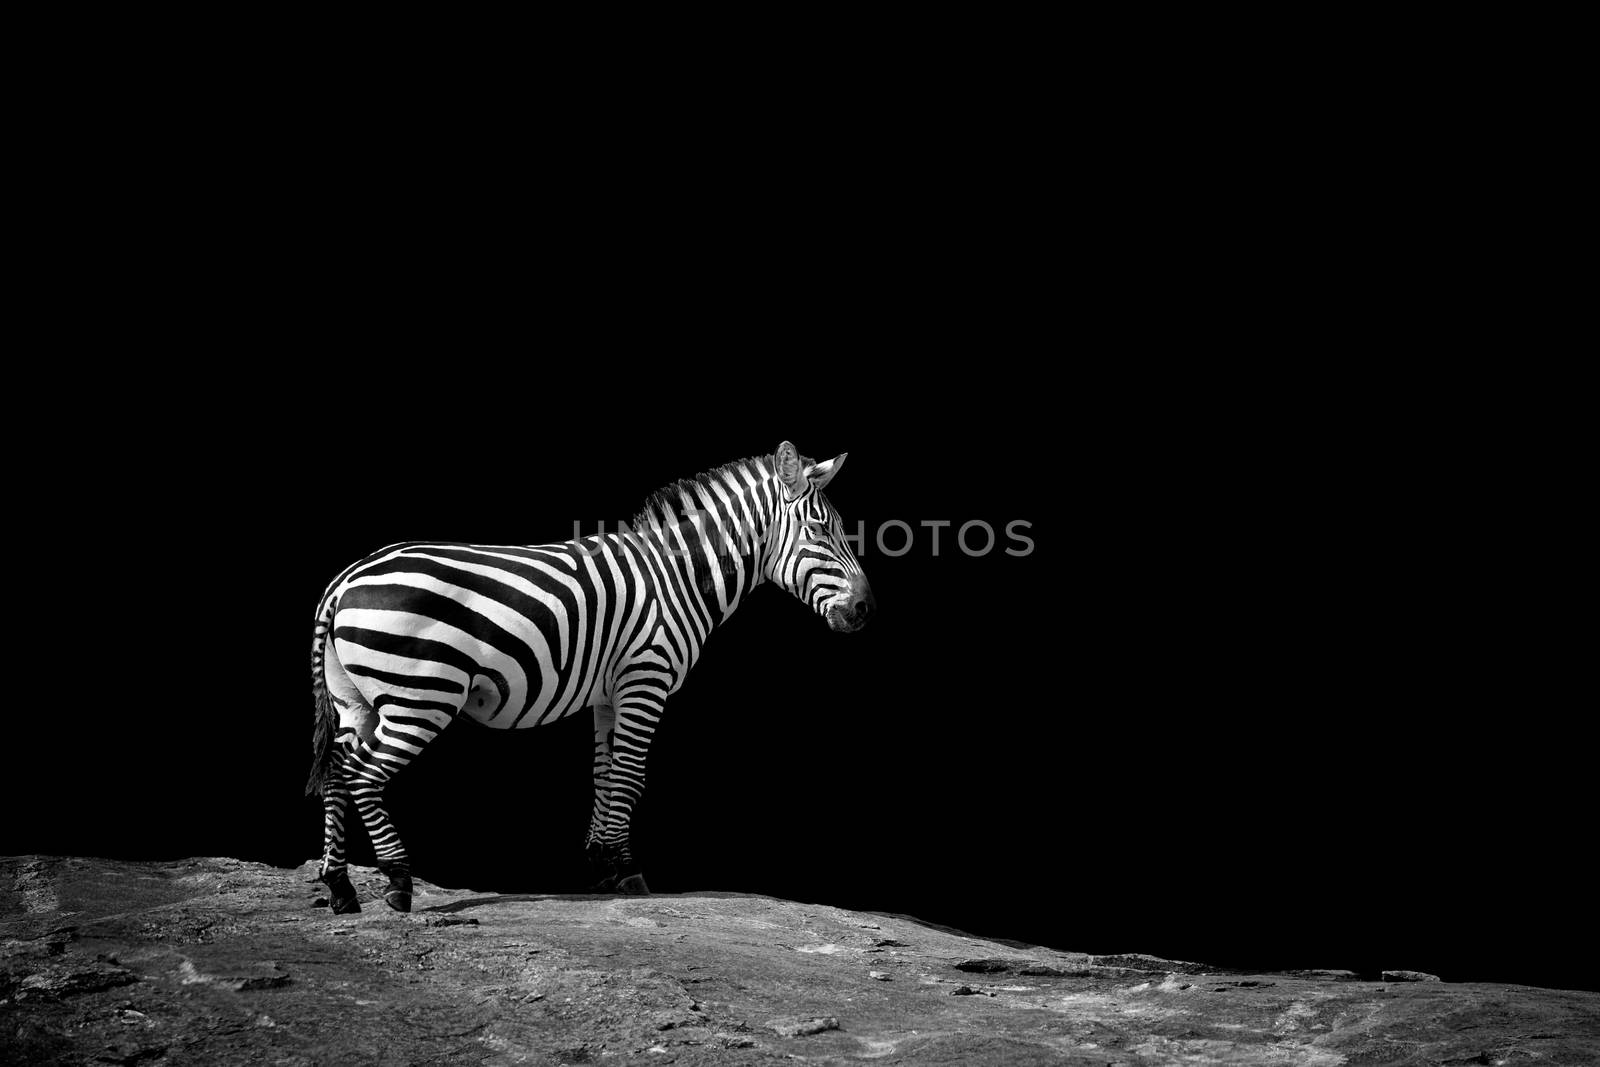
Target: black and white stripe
{"x": 419, "y": 633}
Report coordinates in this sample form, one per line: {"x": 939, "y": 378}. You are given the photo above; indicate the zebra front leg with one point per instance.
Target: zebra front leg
{"x": 333, "y": 872}
{"x": 605, "y": 721}
{"x": 630, "y": 745}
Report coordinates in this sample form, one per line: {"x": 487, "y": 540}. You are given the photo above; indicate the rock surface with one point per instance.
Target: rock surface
{"x": 217, "y": 961}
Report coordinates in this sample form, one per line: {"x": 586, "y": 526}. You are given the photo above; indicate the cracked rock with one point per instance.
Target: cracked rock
{"x": 56, "y": 981}
{"x": 983, "y": 966}
{"x": 1410, "y": 976}
{"x": 803, "y": 1027}
{"x": 565, "y": 979}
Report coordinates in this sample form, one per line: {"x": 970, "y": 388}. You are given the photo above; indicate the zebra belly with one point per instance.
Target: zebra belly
{"x": 481, "y": 707}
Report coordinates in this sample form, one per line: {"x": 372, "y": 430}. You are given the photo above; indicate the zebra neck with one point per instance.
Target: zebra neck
{"x": 712, "y": 561}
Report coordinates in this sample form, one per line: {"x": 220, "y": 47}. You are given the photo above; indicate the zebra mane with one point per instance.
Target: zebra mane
{"x": 668, "y": 500}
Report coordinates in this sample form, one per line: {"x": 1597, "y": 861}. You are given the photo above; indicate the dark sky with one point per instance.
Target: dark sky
{"x": 1254, "y": 697}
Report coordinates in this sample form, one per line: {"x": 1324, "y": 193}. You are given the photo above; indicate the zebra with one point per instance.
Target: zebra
{"x": 419, "y": 633}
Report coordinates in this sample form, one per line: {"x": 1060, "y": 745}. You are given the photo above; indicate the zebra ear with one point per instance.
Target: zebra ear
{"x": 789, "y": 472}
{"x": 822, "y": 473}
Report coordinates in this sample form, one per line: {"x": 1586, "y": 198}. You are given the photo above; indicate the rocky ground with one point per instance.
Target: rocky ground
{"x": 216, "y": 961}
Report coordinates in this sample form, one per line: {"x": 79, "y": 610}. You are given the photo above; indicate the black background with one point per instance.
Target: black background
{"x": 1253, "y": 698}
{"x": 1273, "y": 688}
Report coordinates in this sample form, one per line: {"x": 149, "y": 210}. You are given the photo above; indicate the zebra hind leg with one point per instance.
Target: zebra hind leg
{"x": 371, "y": 767}
{"x": 333, "y": 873}
{"x": 392, "y": 859}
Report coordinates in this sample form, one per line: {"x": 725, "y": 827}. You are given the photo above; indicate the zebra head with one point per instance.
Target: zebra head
{"x": 810, "y": 556}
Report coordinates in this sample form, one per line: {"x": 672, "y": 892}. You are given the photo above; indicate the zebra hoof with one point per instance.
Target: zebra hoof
{"x": 397, "y": 894}
{"x": 604, "y": 885}
{"x": 341, "y": 894}
{"x": 633, "y": 886}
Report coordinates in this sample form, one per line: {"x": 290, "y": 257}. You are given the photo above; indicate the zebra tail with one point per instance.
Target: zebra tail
{"x": 326, "y": 718}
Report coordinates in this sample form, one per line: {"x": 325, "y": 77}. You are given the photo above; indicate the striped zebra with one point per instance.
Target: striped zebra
{"x": 417, "y": 634}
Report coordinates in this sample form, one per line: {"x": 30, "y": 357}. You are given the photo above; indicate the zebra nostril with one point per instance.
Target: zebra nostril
{"x": 863, "y": 609}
